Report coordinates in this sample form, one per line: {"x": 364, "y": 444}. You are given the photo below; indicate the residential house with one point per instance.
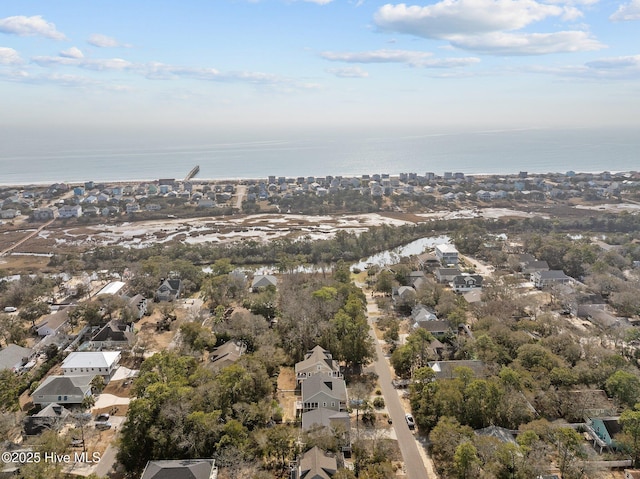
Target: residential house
{"x": 606, "y": 429}
{"x": 70, "y": 211}
{"x": 169, "y": 290}
{"x": 103, "y": 363}
{"x": 9, "y": 213}
{"x": 542, "y": 279}
{"x": 227, "y": 354}
{"x": 500, "y": 433}
{"x": 13, "y": 357}
{"x": 45, "y": 214}
{"x": 315, "y": 464}
{"x": 322, "y": 391}
{"x": 446, "y": 275}
{"x": 114, "y": 335}
{"x": 404, "y": 293}
{"x": 417, "y": 279}
{"x": 181, "y": 469}
{"x": 632, "y": 474}
{"x": 263, "y": 281}
{"x": 436, "y": 328}
{"x": 91, "y": 211}
{"x": 466, "y": 282}
{"x": 55, "y": 323}
{"x": 62, "y": 390}
{"x": 52, "y": 417}
{"x": 447, "y": 369}
{"x": 317, "y": 361}
{"x": 534, "y": 266}
{"x": 326, "y": 418}
{"x": 138, "y": 305}
{"x": 447, "y": 254}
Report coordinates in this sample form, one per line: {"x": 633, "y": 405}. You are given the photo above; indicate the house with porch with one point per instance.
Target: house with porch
{"x": 322, "y": 391}
{"x": 466, "y": 282}
{"x": 317, "y": 361}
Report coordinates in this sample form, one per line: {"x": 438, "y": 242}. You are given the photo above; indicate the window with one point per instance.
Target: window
{"x": 59, "y": 398}
{"x": 324, "y": 404}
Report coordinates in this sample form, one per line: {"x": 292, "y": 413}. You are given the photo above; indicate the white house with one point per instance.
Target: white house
{"x": 447, "y": 253}
{"x": 70, "y": 211}
{"x": 103, "y": 363}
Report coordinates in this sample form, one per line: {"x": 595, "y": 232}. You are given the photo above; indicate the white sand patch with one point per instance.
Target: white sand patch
{"x": 108, "y": 400}
{"x": 124, "y": 373}
{"x": 502, "y": 212}
{"x": 616, "y": 208}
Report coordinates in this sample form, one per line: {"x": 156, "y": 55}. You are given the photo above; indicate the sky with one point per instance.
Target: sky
{"x": 126, "y": 64}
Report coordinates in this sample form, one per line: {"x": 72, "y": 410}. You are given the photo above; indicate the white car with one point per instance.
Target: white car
{"x": 410, "y": 421}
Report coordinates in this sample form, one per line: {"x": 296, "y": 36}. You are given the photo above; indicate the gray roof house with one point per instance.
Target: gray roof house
{"x": 56, "y": 323}
{"x": 263, "y": 281}
{"x": 315, "y": 464}
{"x": 169, "y": 290}
{"x": 62, "y": 390}
{"x": 227, "y": 354}
{"x": 322, "y": 391}
{"x": 114, "y": 335}
{"x": 466, "y": 282}
{"x": 317, "y": 361}
{"x": 13, "y": 357}
{"x": 324, "y": 417}
{"x": 53, "y": 416}
{"x": 447, "y": 369}
{"x": 446, "y": 275}
{"x": 181, "y": 469}
{"x": 547, "y": 278}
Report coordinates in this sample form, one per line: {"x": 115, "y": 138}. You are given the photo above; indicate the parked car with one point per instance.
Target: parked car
{"x": 102, "y": 417}
{"x": 410, "y": 421}
{"x": 103, "y": 425}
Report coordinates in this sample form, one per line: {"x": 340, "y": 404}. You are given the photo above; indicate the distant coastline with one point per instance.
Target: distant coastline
{"x": 112, "y": 158}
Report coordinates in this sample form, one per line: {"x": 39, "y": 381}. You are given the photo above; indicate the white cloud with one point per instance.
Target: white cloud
{"x": 102, "y": 64}
{"x": 468, "y": 17}
{"x": 408, "y": 57}
{"x": 72, "y": 52}
{"x": 614, "y": 63}
{"x": 527, "y": 43}
{"x": 30, "y": 27}
{"x": 348, "y": 72}
{"x": 626, "y": 12}
{"x": 103, "y": 41}
{"x": 378, "y": 56}
{"x": 490, "y": 26}
{"x": 8, "y": 56}
{"x": 163, "y": 71}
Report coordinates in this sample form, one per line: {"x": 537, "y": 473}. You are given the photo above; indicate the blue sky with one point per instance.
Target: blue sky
{"x": 319, "y": 63}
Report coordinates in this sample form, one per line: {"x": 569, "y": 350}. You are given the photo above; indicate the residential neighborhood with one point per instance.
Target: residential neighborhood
{"x": 301, "y": 357}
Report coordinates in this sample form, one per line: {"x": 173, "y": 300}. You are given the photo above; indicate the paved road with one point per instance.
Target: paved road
{"x": 413, "y": 461}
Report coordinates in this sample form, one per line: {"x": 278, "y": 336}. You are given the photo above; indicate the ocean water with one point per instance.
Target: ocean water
{"x": 29, "y": 156}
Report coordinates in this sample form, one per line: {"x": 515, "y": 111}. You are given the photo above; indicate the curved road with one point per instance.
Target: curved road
{"x": 414, "y": 464}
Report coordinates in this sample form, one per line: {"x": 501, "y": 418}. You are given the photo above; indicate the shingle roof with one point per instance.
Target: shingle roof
{"x": 334, "y": 387}
{"x": 322, "y": 417}
{"x": 64, "y": 386}
{"x": 315, "y": 356}
{"x": 178, "y": 469}
{"x": 315, "y": 465}
{"x": 12, "y": 355}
